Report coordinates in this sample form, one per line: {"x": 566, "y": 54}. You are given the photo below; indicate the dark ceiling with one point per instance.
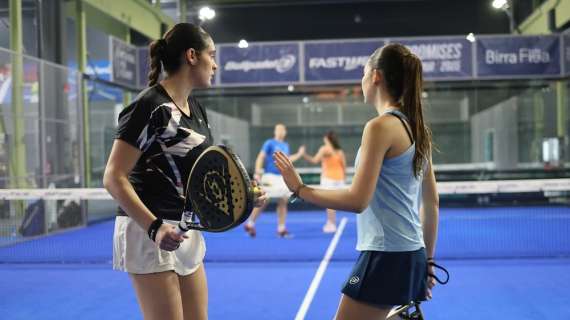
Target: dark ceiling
{"x": 272, "y": 20}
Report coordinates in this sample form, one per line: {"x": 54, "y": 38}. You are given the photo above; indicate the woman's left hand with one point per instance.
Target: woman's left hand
{"x": 290, "y": 175}
{"x": 259, "y": 195}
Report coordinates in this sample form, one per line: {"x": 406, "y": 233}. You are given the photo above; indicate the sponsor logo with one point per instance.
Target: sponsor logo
{"x": 281, "y": 65}
{"x": 354, "y": 280}
{"x": 437, "y": 51}
{"x": 345, "y": 63}
{"x": 524, "y": 55}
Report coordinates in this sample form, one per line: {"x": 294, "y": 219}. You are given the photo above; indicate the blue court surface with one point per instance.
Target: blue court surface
{"x": 505, "y": 263}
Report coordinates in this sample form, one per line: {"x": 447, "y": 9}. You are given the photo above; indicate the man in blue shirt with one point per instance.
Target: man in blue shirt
{"x": 271, "y": 179}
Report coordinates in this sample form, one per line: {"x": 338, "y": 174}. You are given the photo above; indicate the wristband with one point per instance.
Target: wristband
{"x": 296, "y": 196}
{"x": 296, "y": 192}
{"x": 153, "y": 228}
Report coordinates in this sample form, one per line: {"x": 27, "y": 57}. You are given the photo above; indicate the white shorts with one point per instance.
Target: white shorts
{"x": 330, "y": 184}
{"x": 134, "y": 252}
{"x": 274, "y": 186}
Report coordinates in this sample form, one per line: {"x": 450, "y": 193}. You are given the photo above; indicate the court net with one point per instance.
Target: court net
{"x": 478, "y": 220}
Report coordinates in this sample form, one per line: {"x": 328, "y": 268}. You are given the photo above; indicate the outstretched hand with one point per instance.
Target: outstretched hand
{"x": 290, "y": 175}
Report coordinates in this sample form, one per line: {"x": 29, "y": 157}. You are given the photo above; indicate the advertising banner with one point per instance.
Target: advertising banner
{"x": 143, "y": 67}
{"x": 337, "y": 61}
{"x": 518, "y": 56}
{"x": 124, "y": 60}
{"x": 443, "y": 58}
{"x": 259, "y": 64}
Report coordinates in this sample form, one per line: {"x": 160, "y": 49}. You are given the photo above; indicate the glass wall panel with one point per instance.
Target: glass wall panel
{"x": 482, "y": 130}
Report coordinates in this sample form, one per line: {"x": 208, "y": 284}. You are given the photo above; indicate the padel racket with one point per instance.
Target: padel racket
{"x": 411, "y": 311}
{"x": 219, "y": 195}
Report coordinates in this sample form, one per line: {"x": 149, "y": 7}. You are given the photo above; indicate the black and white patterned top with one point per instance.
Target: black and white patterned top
{"x": 170, "y": 142}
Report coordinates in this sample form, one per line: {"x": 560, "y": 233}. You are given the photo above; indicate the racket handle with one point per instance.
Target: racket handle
{"x": 182, "y": 226}
{"x": 179, "y": 231}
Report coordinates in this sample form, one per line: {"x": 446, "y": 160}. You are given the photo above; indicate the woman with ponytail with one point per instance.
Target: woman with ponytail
{"x": 160, "y": 135}
{"x": 394, "y": 177}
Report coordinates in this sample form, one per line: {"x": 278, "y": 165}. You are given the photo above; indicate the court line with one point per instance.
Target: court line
{"x": 320, "y": 272}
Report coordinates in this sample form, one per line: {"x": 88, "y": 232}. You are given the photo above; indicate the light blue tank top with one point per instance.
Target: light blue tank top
{"x": 391, "y": 222}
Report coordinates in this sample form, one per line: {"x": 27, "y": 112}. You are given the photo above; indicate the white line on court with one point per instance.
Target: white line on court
{"x": 320, "y": 272}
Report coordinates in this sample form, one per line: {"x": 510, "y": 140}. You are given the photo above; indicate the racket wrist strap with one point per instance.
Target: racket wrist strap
{"x": 153, "y": 228}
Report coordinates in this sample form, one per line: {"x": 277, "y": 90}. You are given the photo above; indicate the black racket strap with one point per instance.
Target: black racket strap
{"x": 435, "y": 265}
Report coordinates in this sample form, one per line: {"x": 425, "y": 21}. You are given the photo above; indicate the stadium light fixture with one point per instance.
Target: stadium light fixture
{"x": 507, "y": 8}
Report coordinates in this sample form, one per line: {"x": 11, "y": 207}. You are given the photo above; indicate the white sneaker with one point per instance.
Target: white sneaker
{"x": 329, "y": 228}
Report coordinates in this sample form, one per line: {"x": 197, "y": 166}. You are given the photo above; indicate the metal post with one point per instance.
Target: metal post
{"x": 41, "y": 107}
{"x": 510, "y": 14}
{"x": 81, "y": 23}
{"x": 561, "y": 108}
{"x": 18, "y": 153}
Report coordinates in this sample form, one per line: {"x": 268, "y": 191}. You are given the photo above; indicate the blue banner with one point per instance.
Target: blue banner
{"x": 566, "y": 60}
{"x": 259, "y": 64}
{"x": 523, "y": 56}
{"x": 338, "y": 60}
{"x": 443, "y": 58}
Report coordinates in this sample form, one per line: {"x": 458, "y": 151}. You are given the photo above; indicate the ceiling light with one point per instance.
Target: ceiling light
{"x": 243, "y": 44}
{"x": 206, "y": 13}
{"x": 499, "y": 4}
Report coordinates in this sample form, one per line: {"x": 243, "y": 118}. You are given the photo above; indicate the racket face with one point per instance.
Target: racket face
{"x": 219, "y": 190}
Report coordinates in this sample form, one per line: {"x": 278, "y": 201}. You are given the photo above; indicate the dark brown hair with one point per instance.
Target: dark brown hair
{"x": 402, "y": 72}
{"x": 333, "y": 139}
{"x": 168, "y": 52}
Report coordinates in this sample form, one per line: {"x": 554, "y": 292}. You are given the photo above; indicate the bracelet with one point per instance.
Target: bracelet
{"x": 430, "y": 259}
{"x": 153, "y": 228}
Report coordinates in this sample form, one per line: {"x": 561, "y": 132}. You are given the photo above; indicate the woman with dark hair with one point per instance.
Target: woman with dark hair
{"x": 160, "y": 135}
{"x": 394, "y": 176}
{"x": 333, "y": 169}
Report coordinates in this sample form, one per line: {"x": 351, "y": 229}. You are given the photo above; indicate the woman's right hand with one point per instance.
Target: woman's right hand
{"x": 285, "y": 166}
{"x": 167, "y": 238}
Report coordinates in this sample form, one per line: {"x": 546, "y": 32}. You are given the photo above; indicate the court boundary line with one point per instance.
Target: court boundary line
{"x": 302, "y": 312}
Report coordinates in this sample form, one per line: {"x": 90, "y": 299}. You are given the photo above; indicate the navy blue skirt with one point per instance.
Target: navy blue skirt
{"x": 386, "y": 279}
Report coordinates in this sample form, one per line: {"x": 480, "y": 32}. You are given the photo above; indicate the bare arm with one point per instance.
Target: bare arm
{"x": 359, "y": 194}
{"x": 429, "y": 212}
{"x": 121, "y": 161}
{"x": 298, "y": 155}
{"x": 259, "y": 165}
{"x": 317, "y": 158}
